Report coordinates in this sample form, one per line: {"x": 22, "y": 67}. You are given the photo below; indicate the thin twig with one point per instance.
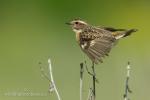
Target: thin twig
{"x": 92, "y": 74}
{"x": 81, "y": 79}
{"x": 43, "y": 73}
{"x": 90, "y": 94}
{"x": 88, "y": 70}
{"x": 92, "y": 91}
{"x": 52, "y": 83}
{"x": 127, "y": 89}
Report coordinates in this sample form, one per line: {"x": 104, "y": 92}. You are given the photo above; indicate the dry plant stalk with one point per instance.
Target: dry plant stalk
{"x": 52, "y": 86}
{"x": 127, "y": 89}
{"x": 92, "y": 90}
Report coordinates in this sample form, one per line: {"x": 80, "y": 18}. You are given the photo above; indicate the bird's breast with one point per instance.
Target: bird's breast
{"x": 78, "y": 37}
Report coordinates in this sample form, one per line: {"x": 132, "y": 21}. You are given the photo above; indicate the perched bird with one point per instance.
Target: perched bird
{"x": 96, "y": 41}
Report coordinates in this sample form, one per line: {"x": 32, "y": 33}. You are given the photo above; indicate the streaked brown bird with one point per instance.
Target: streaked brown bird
{"x": 97, "y": 41}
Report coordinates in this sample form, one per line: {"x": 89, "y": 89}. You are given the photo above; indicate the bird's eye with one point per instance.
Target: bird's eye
{"x": 76, "y": 22}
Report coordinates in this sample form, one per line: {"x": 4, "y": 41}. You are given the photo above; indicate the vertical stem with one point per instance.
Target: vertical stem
{"x": 127, "y": 89}
{"x": 94, "y": 79}
{"x": 90, "y": 94}
{"x": 81, "y": 79}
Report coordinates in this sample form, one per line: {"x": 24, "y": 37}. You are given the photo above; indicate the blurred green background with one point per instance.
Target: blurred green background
{"x": 31, "y": 31}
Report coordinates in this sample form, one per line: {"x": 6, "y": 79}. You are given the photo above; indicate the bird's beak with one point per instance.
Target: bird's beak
{"x": 68, "y": 23}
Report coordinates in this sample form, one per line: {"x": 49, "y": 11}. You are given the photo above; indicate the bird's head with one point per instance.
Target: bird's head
{"x": 77, "y": 25}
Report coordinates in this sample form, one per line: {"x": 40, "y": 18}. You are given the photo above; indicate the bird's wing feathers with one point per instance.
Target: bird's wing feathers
{"x": 111, "y": 29}
{"x": 96, "y": 44}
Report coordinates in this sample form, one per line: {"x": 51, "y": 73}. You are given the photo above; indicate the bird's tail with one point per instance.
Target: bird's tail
{"x": 123, "y": 34}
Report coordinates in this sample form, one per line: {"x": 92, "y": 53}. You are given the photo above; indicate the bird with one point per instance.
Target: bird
{"x": 97, "y": 41}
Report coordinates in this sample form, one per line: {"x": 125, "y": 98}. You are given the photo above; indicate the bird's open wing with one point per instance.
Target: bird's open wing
{"x": 96, "y": 44}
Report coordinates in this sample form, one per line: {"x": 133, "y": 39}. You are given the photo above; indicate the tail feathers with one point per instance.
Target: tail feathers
{"x": 125, "y": 33}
